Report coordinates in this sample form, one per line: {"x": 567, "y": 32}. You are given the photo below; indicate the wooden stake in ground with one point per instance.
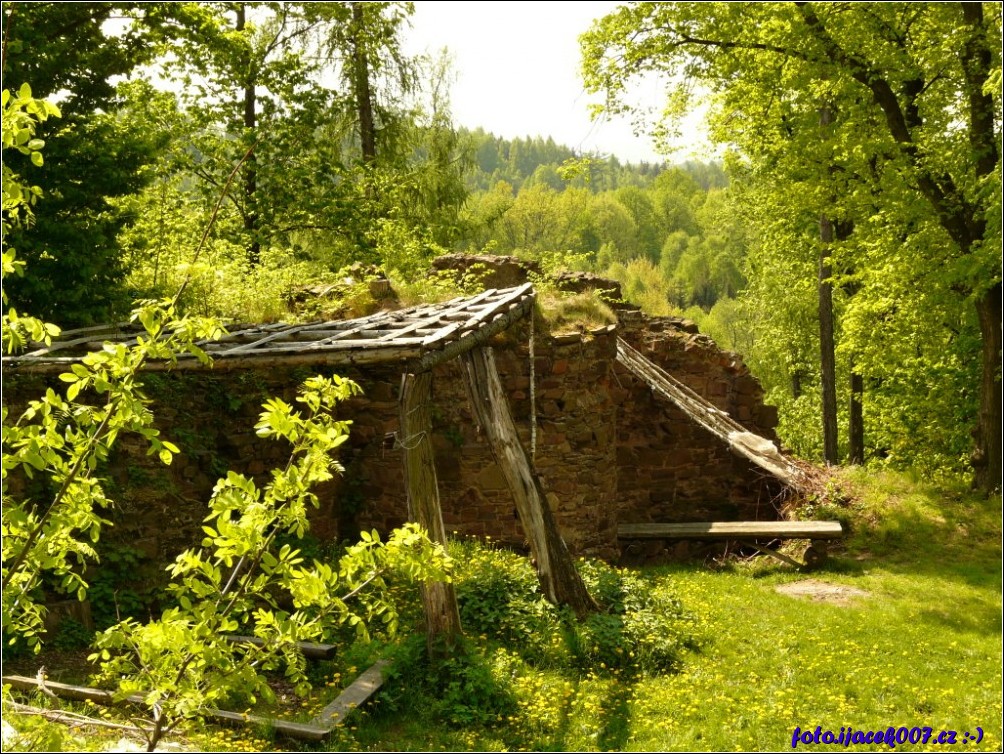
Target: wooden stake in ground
{"x": 559, "y": 580}
{"x": 442, "y": 615}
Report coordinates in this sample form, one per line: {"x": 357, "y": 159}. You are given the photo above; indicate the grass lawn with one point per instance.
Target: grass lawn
{"x": 919, "y": 647}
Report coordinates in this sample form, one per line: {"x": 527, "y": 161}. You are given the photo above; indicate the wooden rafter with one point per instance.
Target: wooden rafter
{"x": 759, "y": 450}
{"x": 419, "y": 337}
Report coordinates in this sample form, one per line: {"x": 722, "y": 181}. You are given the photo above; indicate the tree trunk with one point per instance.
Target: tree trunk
{"x": 250, "y": 167}
{"x": 559, "y": 580}
{"x": 439, "y": 600}
{"x": 827, "y": 357}
{"x": 364, "y": 94}
{"x": 987, "y": 454}
{"x": 856, "y": 431}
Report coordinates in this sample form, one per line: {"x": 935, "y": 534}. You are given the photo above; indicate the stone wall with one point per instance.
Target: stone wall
{"x": 670, "y": 469}
{"x": 575, "y": 444}
{"x": 606, "y": 450}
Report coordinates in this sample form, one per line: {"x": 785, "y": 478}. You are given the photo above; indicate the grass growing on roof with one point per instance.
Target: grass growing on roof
{"x": 574, "y": 312}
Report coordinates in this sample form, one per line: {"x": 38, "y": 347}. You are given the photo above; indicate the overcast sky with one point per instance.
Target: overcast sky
{"x": 517, "y": 72}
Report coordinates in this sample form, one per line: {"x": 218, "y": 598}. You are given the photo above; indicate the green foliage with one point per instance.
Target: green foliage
{"x": 22, "y": 114}
{"x": 121, "y": 586}
{"x": 61, "y": 438}
{"x": 182, "y": 661}
{"x": 94, "y": 155}
{"x": 879, "y": 119}
{"x": 526, "y": 669}
{"x": 768, "y": 659}
{"x": 671, "y": 242}
{"x": 468, "y": 685}
{"x": 524, "y": 162}
{"x": 71, "y": 635}
{"x": 65, "y": 440}
{"x": 640, "y": 628}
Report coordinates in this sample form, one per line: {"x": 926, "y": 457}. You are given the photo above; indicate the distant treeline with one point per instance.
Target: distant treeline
{"x": 538, "y": 160}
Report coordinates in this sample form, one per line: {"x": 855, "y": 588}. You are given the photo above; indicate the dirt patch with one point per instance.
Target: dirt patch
{"x": 820, "y": 591}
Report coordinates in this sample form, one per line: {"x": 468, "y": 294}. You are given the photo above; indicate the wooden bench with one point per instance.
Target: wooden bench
{"x": 745, "y": 531}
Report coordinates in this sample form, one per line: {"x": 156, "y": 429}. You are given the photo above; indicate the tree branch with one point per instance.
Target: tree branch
{"x": 955, "y": 214}
{"x": 976, "y": 64}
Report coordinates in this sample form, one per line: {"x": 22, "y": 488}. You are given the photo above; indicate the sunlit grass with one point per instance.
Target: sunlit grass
{"x": 923, "y": 648}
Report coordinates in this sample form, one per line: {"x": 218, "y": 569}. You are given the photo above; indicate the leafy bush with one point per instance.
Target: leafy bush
{"x": 500, "y": 598}
{"x": 116, "y": 590}
{"x": 71, "y": 635}
{"x": 468, "y": 685}
{"x": 521, "y": 659}
{"x": 641, "y": 626}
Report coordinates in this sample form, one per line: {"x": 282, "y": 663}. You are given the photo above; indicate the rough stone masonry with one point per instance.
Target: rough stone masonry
{"x": 607, "y": 450}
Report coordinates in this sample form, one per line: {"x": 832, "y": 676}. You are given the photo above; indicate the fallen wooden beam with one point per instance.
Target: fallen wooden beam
{"x": 299, "y": 731}
{"x": 352, "y": 697}
{"x": 317, "y": 729}
{"x": 100, "y": 696}
{"x": 64, "y": 690}
{"x": 734, "y": 530}
{"x": 746, "y": 531}
{"x": 559, "y": 580}
{"x": 309, "y": 649}
{"x": 739, "y": 439}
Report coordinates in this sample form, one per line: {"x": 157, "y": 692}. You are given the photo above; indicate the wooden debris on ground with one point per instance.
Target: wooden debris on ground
{"x": 318, "y": 729}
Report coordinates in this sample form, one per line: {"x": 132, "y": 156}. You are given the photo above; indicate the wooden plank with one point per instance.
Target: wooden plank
{"x": 360, "y": 340}
{"x": 419, "y": 330}
{"x": 777, "y": 556}
{"x": 511, "y": 295}
{"x": 469, "y": 340}
{"x": 559, "y": 580}
{"x": 429, "y": 323}
{"x": 734, "y": 530}
{"x": 100, "y": 696}
{"x": 342, "y": 335}
{"x": 66, "y": 690}
{"x": 478, "y": 319}
{"x": 758, "y": 450}
{"x": 358, "y": 692}
{"x": 439, "y": 600}
{"x": 299, "y": 731}
{"x": 97, "y": 339}
{"x": 311, "y": 650}
{"x": 286, "y": 333}
{"x": 222, "y": 362}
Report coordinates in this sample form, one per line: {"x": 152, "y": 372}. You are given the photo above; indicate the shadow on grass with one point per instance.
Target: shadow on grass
{"x": 614, "y": 722}
{"x": 955, "y": 540}
{"x": 616, "y": 718}
{"x": 980, "y": 618}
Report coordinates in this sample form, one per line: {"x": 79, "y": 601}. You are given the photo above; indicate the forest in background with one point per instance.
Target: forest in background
{"x": 333, "y": 148}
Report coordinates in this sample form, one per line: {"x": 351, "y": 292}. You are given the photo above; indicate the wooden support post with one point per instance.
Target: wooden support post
{"x": 442, "y": 615}
{"x": 559, "y": 580}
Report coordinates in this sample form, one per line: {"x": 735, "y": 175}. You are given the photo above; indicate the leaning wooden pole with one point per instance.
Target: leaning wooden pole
{"x": 442, "y": 616}
{"x": 559, "y": 580}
